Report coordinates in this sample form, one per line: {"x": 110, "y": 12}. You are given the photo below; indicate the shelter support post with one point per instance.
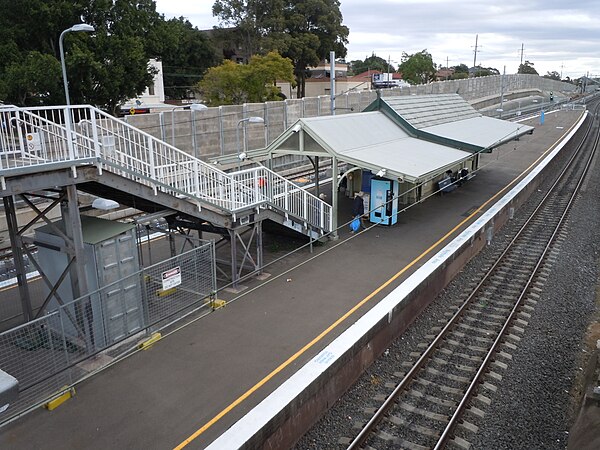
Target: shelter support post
{"x": 334, "y": 198}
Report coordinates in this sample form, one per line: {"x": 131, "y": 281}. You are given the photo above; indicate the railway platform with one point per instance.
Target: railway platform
{"x": 196, "y": 382}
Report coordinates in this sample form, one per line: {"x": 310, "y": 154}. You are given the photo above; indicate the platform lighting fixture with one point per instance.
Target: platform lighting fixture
{"x": 240, "y": 152}
{"x": 381, "y": 173}
{"x": 192, "y": 107}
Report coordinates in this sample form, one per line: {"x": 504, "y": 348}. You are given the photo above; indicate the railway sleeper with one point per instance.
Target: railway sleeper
{"x": 499, "y": 364}
{"x": 403, "y": 443}
{"x": 487, "y": 323}
{"x": 449, "y": 376}
{"x": 463, "y": 368}
{"x": 431, "y": 398}
{"x": 483, "y": 399}
{"x": 423, "y": 412}
{"x": 401, "y": 422}
{"x": 473, "y": 348}
{"x": 461, "y": 443}
{"x": 476, "y": 312}
{"x": 504, "y": 355}
{"x": 441, "y": 387}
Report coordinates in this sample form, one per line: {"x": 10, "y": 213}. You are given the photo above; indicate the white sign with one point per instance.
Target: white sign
{"x": 34, "y": 143}
{"x": 171, "y": 278}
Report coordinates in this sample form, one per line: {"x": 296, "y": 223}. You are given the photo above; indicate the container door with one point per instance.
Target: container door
{"x": 121, "y": 299}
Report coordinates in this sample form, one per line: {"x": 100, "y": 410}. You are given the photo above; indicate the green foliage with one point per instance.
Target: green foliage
{"x": 303, "y": 30}
{"x": 230, "y": 83}
{"x": 253, "y": 20}
{"x": 105, "y": 68}
{"x": 371, "y": 63}
{"x": 527, "y": 67}
{"x": 554, "y": 75}
{"x": 461, "y": 68}
{"x": 417, "y": 68}
{"x": 186, "y": 54}
{"x": 485, "y": 71}
{"x": 34, "y": 77}
{"x": 459, "y": 75}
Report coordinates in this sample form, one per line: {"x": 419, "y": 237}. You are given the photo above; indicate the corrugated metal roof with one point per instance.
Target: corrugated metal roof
{"x": 374, "y": 141}
{"x": 483, "y": 131}
{"x": 428, "y": 110}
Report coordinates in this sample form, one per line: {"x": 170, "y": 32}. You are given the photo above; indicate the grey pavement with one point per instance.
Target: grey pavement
{"x": 205, "y": 376}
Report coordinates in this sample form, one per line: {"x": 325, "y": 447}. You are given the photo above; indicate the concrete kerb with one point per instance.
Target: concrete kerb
{"x": 280, "y": 419}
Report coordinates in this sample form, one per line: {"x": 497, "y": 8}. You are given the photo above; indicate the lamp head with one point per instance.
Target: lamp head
{"x": 198, "y": 107}
{"x": 255, "y": 119}
{"x": 82, "y": 27}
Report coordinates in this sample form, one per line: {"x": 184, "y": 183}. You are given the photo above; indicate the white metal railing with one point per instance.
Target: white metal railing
{"x": 37, "y": 137}
{"x": 287, "y": 196}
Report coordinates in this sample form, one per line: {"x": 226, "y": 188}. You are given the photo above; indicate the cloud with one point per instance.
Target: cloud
{"x": 556, "y": 35}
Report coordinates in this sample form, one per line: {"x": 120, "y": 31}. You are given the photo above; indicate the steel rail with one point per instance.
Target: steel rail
{"x": 446, "y": 434}
{"x": 391, "y": 398}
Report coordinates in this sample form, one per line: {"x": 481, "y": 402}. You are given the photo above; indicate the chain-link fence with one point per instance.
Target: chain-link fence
{"x": 63, "y": 346}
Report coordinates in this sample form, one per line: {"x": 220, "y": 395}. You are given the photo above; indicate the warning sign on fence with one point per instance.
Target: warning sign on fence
{"x": 171, "y": 278}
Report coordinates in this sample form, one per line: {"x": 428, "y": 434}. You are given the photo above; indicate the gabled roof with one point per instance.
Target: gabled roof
{"x": 450, "y": 120}
{"x": 413, "y": 138}
{"x": 369, "y": 140}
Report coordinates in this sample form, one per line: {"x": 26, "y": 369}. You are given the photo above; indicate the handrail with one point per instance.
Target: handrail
{"x": 121, "y": 148}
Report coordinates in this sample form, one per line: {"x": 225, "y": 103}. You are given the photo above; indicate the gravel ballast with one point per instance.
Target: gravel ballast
{"x": 536, "y": 401}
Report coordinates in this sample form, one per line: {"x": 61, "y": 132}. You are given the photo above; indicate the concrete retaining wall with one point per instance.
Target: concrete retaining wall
{"x": 217, "y": 131}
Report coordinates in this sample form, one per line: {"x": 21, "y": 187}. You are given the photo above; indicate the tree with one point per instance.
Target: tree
{"x": 485, "y": 71}
{"x": 104, "y": 69}
{"x": 527, "y": 67}
{"x": 253, "y": 20}
{"x": 186, "y": 54}
{"x": 417, "y": 68}
{"x": 230, "y": 83}
{"x": 461, "y": 68}
{"x": 304, "y": 31}
{"x": 314, "y": 28}
{"x": 371, "y": 63}
{"x": 554, "y": 75}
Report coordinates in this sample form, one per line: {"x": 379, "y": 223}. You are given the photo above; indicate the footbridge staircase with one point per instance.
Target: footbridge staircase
{"x": 52, "y": 147}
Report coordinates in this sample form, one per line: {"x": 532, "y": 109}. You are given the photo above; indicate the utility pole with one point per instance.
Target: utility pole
{"x": 521, "y": 55}
{"x": 502, "y": 93}
{"x": 332, "y": 79}
{"x": 475, "y": 57}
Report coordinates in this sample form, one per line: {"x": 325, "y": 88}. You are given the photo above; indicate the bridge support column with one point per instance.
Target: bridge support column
{"x": 243, "y": 261}
{"x": 16, "y": 244}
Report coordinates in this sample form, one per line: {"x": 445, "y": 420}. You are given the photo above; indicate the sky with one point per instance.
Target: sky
{"x": 561, "y": 36}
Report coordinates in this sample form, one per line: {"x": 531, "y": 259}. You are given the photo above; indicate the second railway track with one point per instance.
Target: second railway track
{"x": 429, "y": 404}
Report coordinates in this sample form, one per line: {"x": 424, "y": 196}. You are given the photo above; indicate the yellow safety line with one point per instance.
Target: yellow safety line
{"x": 324, "y": 333}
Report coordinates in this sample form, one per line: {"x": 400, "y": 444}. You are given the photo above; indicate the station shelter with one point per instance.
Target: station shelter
{"x": 407, "y": 144}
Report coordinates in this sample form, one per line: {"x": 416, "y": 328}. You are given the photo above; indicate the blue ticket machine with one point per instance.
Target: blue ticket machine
{"x": 384, "y": 201}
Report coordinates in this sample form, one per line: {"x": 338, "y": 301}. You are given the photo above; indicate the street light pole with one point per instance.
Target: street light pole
{"x": 69, "y": 132}
{"x": 193, "y": 107}
{"x": 78, "y": 27}
{"x": 252, "y": 119}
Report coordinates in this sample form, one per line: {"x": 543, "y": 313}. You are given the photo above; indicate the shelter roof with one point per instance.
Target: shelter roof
{"x": 369, "y": 140}
{"x": 450, "y": 120}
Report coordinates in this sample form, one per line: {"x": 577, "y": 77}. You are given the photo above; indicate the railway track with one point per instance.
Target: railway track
{"x": 444, "y": 390}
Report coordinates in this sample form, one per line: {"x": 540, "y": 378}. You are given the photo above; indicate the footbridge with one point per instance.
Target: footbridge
{"x": 81, "y": 147}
